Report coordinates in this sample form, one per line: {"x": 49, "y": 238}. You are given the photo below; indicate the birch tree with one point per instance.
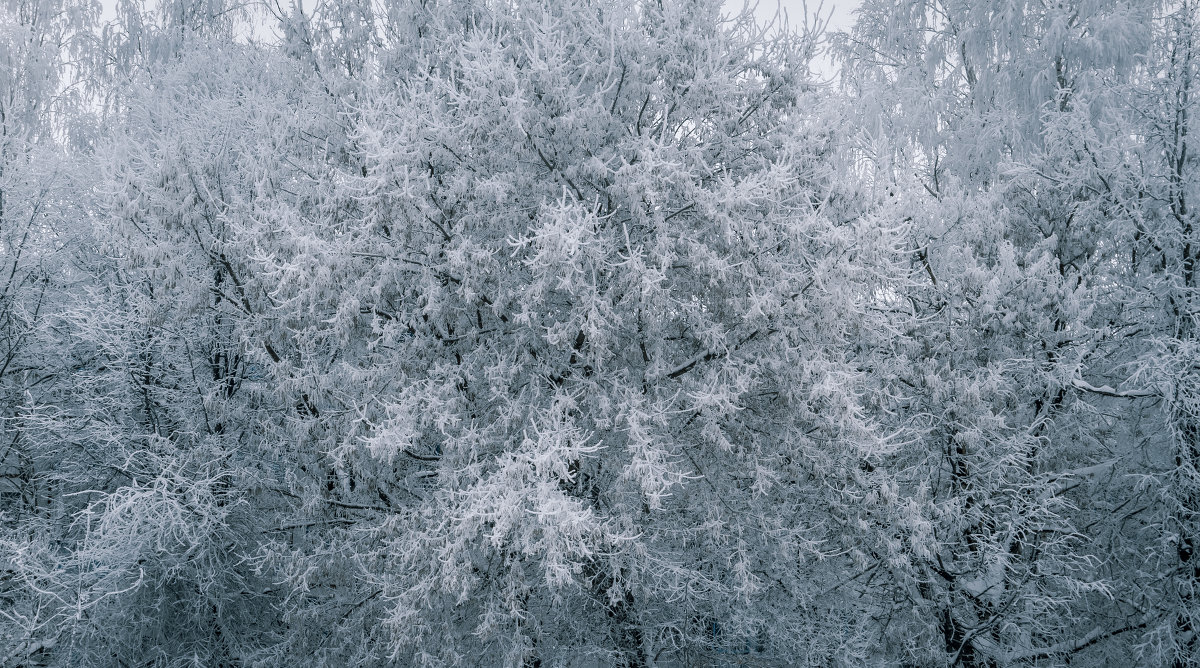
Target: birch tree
{"x": 42, "y": 91}
{"x": 1001, "y": 132}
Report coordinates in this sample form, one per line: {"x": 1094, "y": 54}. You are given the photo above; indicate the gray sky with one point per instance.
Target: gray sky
{"x": 840, "y": 11}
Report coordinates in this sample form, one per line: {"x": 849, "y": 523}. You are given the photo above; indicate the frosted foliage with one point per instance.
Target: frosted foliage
{"x": 585, "y": 248}
{"x": 1017, "y": 142}
{"x": 580, "y": 333}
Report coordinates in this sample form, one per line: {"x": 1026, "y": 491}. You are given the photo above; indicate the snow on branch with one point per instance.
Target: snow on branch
{"x": 1108, "y": 391}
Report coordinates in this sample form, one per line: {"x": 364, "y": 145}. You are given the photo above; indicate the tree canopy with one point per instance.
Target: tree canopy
{"x": 598, "y": 332}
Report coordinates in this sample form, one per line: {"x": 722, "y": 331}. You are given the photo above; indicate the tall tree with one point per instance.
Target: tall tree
{"x": 1002, "y": 133}
{"x": 42, "y": 91}
{"x": 1162, "y": 259}
{"x": 538, "y": 332}
{"x": 581, "y": 318}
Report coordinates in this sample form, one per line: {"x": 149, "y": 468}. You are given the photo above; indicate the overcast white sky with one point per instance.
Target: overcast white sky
{"x": 840, "y": 11}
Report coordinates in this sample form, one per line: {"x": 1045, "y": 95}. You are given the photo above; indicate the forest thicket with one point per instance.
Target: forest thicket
{"x": 599, "y": 332}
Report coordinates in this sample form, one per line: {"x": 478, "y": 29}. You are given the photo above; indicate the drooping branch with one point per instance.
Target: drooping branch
{"x": 1108, "y": 391}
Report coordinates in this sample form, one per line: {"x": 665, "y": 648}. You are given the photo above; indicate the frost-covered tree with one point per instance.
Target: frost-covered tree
{"x": 42, "y": 46}
{"x": 139, "y": 561}
{"x": 538, "y": 332}
{"x": 1161, "y": 255}
{"x": 586, "y": 335}
{"x": 1014, "y": 138}
{"x": 570, "y": 332}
